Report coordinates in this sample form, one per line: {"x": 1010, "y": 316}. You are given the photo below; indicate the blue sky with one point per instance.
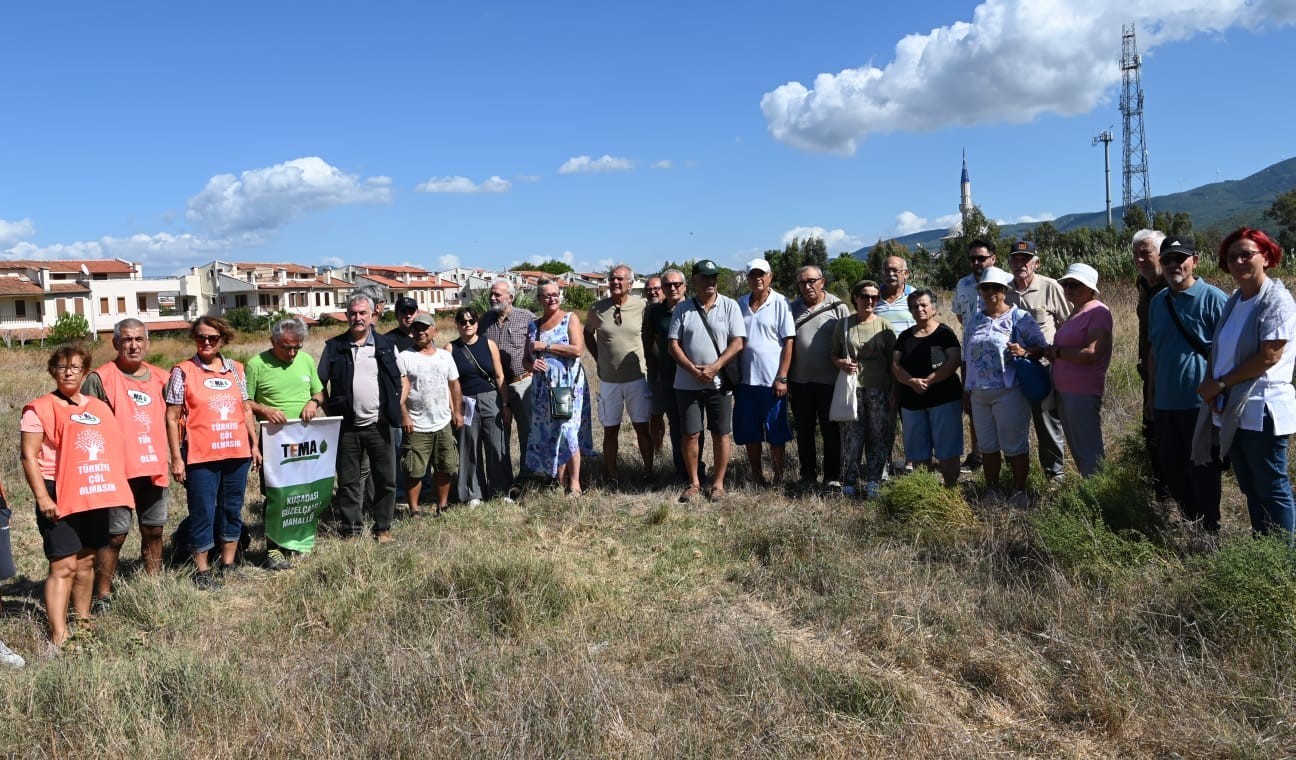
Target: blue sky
{"x": 488, "y": 134}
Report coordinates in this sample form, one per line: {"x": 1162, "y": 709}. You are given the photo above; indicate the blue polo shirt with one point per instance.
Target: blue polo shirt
{"x": 1179, "y": 369}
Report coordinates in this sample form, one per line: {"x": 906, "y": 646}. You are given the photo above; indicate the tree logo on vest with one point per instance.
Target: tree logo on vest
{"x": 139, "y": 397}
{"x": 91, "y": 443}
{"x": 224, "y": 405}
{"x": 217, "y": 383}
{"x": 86, "y": 418}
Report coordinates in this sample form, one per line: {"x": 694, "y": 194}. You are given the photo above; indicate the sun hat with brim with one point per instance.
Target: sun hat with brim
{"x": 996, "y": 276}
{"x": 1083, "y": 274}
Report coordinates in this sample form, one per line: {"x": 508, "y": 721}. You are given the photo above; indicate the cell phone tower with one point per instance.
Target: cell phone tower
{"x": 1137, "y": 188}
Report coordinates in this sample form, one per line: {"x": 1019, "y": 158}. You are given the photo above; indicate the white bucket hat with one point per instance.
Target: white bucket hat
{"x": 1083, "y": 274}
{"x": 996, "y": 276}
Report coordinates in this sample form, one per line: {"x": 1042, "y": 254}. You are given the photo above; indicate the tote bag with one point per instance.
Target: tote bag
{"x": 844, "y": 400}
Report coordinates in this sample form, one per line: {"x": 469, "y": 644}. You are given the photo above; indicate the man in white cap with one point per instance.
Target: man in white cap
{"x": 1043, "y": 298}
{"x": 760, "y": 401}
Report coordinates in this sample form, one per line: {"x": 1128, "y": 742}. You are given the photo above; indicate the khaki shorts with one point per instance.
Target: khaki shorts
{"x": 150, "y": 507}
{"x": 436, "y": 450}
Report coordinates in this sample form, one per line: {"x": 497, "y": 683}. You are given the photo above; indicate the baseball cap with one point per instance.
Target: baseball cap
{"x": 406, "y": 304}
{"x": 424, "y": 319}
{"x": 758, "y": 265}
{"x": 706, "y": 268}
{"x": 1178, "y": 244}
{"x": 1022, "y": 247}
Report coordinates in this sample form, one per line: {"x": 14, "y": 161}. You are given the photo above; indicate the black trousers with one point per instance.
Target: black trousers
{"x": 810, "y": 403}
{"x": 1195, "y": 487}
{"x": 376, "y": 441}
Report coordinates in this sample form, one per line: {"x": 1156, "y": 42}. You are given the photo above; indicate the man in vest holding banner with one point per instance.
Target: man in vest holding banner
{"x": 133, "y": 389}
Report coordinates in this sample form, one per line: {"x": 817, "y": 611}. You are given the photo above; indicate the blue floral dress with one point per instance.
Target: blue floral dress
{"x": 552, "y": 441}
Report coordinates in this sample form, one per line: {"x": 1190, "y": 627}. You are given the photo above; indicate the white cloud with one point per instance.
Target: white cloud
{"x": 837, "y": 240}
{"x": 528, "y": 178}
{"x": 946, "y": 221}
{"x": 160, "y": 249}
{"x": 464, "y": 185}
{"x": 605, "y": 264}
{"x": 260, "y": 201}
{"x": 448, "y": 261}
{"x": 664, "y": 164}
{"x": 567, "y": 257}
{"x": 12, "y": 232}
{"x": 585, "y": 164}
{"x": 333, "y": 261}
{"x": 1015, "y": 60}
{"x": 1043, "y": 216}
{"x": 907, "y": 222}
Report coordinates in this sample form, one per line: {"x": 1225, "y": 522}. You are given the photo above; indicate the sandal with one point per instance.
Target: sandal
{"x": 716, "y": 493}
{"x": 690, "y": 493}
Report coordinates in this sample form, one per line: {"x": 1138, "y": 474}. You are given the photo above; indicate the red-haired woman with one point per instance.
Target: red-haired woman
{"x": 75, "y": 472}
{"x": 1247, "y": 392}
{"x": 213, "y": 438}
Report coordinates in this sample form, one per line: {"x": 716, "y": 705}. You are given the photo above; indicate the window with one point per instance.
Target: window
{"x": 20, "y": 309}
{"x": 141, "y": 302}
{"x": 263, "y": 299}
{"x": 240, "y": 302}
{"x": 103, "y": 305}
{"x": 121, "y": 304}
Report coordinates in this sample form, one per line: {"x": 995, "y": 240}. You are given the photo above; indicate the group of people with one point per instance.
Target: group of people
{"x": 1026, "y": 351}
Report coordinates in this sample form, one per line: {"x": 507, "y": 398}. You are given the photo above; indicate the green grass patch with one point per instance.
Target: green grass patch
{"x": 508, "y": 593}
{"x": 1246, "y": 592}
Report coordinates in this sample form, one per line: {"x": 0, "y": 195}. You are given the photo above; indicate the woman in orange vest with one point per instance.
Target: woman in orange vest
{"x": 74, "y": 465}
{"x": 213, "y": 440}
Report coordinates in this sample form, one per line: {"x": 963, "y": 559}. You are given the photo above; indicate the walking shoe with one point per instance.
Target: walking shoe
{"x": 276, "y": 561}
{"x": 689, "y": 493}
{"x": 474, "y": 503}
{"x": 971, "y": 464}
{"x": 1020, "y": 500}
{"x": 101, "y": 605}
{"x": 384, "y": 536}
{"x": 9, "y": 658}
{"x": 206, "y": 580}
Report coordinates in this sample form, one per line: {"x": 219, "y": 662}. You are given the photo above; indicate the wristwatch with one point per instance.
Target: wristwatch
{"x": 782, "y": 379}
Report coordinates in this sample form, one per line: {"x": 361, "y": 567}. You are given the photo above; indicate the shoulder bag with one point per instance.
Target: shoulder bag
{"x": 1032, "y": 377}
{"x": 844, "y": 407}
{"x": 728, "y": 373}
{"x": 562, "y": 398}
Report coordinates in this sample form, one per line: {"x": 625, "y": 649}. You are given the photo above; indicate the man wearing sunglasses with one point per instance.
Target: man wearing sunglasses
{"x": 614, "y": 329}
{"x": 811, "y": 378}
{"x": 662, "y": 368}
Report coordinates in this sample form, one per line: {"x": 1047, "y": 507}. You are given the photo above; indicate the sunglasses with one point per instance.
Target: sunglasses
{"x": 466, "y": 321}
{"x": 979, "y": 259}
{"x": 616, "y": 315}
{"x": 207, "y": 339}
{"x": 672, "y": 285}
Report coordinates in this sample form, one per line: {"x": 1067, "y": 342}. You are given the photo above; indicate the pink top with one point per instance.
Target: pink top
{"x": 1078, "y": 331}
{"x": 47, "y": 458}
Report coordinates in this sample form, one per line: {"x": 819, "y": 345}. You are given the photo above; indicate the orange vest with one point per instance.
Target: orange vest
{"x": 141, "y": 413}
{"x": 90, "y": 472}
{"x": 215, "y": 427}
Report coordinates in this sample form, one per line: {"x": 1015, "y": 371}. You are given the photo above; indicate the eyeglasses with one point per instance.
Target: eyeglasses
{"x": 551, "y": 296}
{"x": 466, "y": 321}
{"x": 893, "y": 270}
{"x": 809, "y": 283}
{"x": 979, "y": 259}
{"x": 1070, "y": 284}
{"x": 654, "y": 290}
{"x": 616, "y": 315}
{"x": 1241, "y": 257}
{"x": 213, "y": 339}
{"x": 288, "y": 347}
{"x": 63, "y": 369}
{"x": 672, "y": 285}
{"x": 990, "y": 286}
{"x": 1174, "y": 261}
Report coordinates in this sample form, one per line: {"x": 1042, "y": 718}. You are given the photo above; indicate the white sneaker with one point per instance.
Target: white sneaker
{"x": 9, "y": 658}
{"x": 472, "y": 503}
{"x": 1020, "y": 500}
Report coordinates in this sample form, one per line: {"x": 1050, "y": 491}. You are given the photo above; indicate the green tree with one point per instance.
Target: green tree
{"x": 844, "y": 271}
{"x": 1135, "y": 219}
{"x": 881, "y": 252}
{"x": 953, "y": 263}
{"x": 814, "y": 253}
{"x": 577, "y": 299}
{"x": 69, "y": 328}
{"x": 1283, "y": 212}
{"x": 552, "y": 266}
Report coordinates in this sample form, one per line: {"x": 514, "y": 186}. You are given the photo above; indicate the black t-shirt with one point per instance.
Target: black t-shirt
{"x": 404, "y": 341}
{"x": 922, "y": 356}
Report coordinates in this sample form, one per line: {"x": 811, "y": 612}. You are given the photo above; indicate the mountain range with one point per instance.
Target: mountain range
{"x": 1223, "y": 205}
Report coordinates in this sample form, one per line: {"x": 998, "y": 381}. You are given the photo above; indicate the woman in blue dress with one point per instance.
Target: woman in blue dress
{"x": 554, "y": 351}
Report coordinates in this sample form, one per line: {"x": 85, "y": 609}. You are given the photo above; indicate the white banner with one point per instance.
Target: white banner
{"x": 300, "y": 464}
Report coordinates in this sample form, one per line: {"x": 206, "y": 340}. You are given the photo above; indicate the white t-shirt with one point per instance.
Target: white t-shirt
{"x": 1272, "y": 390}
{"x": 429, "y": 396}
{"x": 767, "y": 329}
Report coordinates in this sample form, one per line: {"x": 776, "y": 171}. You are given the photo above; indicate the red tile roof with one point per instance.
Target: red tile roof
{"x": 393, "y": 268}
{"x": 315, "y": 284}
{"x": 268, "y": 265}
{"x": 16, "y": 286}
{"x": 68, "y": 287}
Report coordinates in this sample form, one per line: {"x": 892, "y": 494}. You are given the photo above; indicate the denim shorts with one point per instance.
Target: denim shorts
{"x": 933, "y": 433}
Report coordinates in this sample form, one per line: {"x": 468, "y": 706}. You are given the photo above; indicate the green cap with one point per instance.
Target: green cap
{"x": 706, "y": 268}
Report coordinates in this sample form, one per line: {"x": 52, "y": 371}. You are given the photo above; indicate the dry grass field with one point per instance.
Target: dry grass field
{"x": 627, "y": 625}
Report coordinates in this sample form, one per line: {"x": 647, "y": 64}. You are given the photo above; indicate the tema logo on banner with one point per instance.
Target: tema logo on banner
{"x": 299, "y": 468}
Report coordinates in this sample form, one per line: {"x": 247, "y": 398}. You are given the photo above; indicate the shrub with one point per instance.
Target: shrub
{"x": 69, "y": 328}
{"x": 1246, "y": 591}
{"x": 1076, "y": 537}
{"x": 509, "y": 594}
{"x": 921, "y": 500}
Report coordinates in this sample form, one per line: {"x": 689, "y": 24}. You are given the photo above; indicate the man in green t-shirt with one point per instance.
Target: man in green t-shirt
{"x": 283, "y": 384}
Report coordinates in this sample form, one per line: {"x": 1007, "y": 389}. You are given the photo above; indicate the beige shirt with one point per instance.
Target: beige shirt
{"x": 1044, "y": 299}
{"x": 620, "y": 346}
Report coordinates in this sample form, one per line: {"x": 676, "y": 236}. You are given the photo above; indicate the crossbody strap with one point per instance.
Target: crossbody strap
{"x": 809, "y": 315}
{"x": 1193, "y": 340}
{"x": 489, "y": 378}
{"x": 707, "y": 323}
